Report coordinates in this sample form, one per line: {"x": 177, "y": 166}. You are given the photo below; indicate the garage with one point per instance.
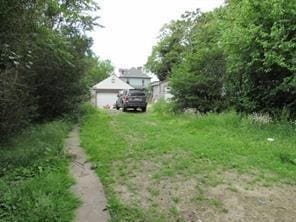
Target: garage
{"x": 105, "y": 99}
{"x": 104, "y": 94}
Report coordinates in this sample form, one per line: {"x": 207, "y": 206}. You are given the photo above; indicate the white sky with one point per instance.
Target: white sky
{"x": 132, "y": 27}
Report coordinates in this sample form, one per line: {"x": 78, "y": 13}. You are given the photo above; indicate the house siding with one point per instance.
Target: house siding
{"x": 136, "y": 82}
{"x": 160, "y": 90}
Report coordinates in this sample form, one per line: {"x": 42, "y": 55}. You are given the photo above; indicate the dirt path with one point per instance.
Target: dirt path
{"x": 88, "y": 186}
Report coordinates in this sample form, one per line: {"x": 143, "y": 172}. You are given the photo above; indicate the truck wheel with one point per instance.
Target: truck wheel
{"x": 144, "y": 109}
{"x": 124, "y": 109}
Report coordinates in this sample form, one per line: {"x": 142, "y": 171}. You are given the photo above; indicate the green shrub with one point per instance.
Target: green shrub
{"x": 163, "y": 107}
{"x": 259, "y": 43}
{"x": 34, "y": 180}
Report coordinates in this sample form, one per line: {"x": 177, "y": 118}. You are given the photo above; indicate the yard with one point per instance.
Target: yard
{"x": 158, "y": 167}
{"x": 34, "y": 178}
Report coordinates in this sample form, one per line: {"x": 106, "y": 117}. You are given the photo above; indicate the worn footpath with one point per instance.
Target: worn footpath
{"x": 88, "y": 186}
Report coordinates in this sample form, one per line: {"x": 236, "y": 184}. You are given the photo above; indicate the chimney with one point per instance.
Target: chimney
{"x": 121, "y": 71}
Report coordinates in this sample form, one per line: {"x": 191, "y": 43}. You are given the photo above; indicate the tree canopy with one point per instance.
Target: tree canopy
{"x": 240, "y": 55}
{"x": 260, "y": 45}
{"x": 45, "y": 57}
{"x": 173, "y": 41}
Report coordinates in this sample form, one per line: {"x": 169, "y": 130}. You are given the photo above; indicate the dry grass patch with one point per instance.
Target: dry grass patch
{"x": 171, "y": 196}
{"x": 180, "y": 197}
{"x": 252, "y": 203}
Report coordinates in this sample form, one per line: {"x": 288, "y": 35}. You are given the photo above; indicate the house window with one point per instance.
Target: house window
{"x": 143, "y": 82}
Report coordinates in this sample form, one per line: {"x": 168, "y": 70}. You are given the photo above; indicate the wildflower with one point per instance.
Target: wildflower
{"x": 270, "y": 139}
{"x": 260, "y": 118}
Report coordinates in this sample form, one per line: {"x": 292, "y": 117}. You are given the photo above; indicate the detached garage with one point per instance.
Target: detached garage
{"x": 104, "y": 94}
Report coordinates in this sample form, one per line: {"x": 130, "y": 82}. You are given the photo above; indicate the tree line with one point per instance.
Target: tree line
{"x": 241, "y": 55}
{"x": 46, "y": 62}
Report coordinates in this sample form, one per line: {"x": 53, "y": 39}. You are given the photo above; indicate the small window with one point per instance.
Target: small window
{"x": 143, "y": 82}
{"x": 136, "y": 93}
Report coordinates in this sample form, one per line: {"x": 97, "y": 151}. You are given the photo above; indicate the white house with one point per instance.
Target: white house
{"x": 135, "y": 77}
{"x": 160, "y": 90}
{"x": 104, "y": 94}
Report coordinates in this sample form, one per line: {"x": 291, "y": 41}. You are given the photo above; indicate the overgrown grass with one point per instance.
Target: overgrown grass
{"x": 192, "y": 146}
{"x": 163, "y": 108}
{"x": 34, "y": 180}
{"x": 103, "y": 147}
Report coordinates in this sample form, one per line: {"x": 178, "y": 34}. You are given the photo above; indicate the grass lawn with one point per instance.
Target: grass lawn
{"x": 34, "y": 181}
{"x": 159, "y": 167}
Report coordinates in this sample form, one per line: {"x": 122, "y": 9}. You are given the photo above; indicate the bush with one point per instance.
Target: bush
{"x": 260, "y": 46}
{"x": 240, "y": 55}
{"x": 163, "y": 107}
{"x": 43, "y": 60}
{"x": 34, "y": 180}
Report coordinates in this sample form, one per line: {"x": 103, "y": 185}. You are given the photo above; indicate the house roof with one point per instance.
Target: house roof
{"x": 112, "y": 82}
{"x": 155, "y": 83}
{"x": 134, "y": 73}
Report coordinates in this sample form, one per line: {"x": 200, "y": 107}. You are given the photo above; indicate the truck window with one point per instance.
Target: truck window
{"x": 136, "y": 93}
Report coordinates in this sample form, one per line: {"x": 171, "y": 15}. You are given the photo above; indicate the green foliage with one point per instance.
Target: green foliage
{"x": 197, "y": 71}
{"x": 260, "y": 48}
{"x": 97, "y": 70}
{"x": 242, "y": 54}
{"x": 34, "y": 181}
{"x": 43, "y": 59}
{"x": 172, "y": 42}
{"x": 197, "y": 82}
{"x": 163, "y": 108}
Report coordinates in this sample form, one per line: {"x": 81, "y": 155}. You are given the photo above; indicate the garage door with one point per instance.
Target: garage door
{"x": 106, "y": 99}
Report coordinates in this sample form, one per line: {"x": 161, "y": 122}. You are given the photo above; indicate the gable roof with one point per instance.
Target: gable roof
{"x": 134, "y": 73}
{"x": 112, "y": 82}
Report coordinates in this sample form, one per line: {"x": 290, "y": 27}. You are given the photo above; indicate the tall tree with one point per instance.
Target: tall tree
{"x": 260, "y": 43}
{"x": 197, "y": 82}
{"x": 43, "y": 45}
{"x": 97, "y": 70}
{"x": 172, "y": 42}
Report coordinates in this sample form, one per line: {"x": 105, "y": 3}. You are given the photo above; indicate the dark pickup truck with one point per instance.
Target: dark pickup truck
{"x": 131, "y": 98}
